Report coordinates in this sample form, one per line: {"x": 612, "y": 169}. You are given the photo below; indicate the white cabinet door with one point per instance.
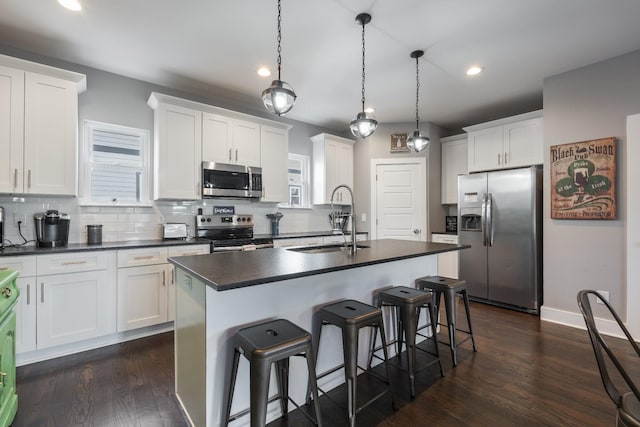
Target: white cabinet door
{"x": 523, "y": 144}
{"x": 178, "y": 153}
{"x": 173, "y": 251}
{"x": 485, "y": 149}
{"x": 332, "y": 166}
{"x": 26, "y": 315}
{"x": 73, "y": 307}
{"x": 246, "y": 143}
{"x": 50, "y": 135}
{"x": 216, "y": 138}
{"x": 11, "y": 129}
{"x": 454, "y": 163}
{"x": 229, "y": 140}
{"x": 274, "y": 147}
{"x": 142, "y": 296}
{"x": 447, "y": 261}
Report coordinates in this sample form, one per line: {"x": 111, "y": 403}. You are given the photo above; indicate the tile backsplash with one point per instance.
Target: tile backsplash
{"x": 142, "y": 223}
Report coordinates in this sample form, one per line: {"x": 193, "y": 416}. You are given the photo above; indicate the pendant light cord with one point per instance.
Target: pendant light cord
{"x": 417, "y": 93}
{"x": 279, "y": 38}
{"x": 363, "y": 51}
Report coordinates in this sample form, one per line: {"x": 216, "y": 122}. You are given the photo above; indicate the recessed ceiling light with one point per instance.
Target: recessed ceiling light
{"x": 264, "y": 72}
{"x": 71, "y": 4}
{"x": 474, "y": 70}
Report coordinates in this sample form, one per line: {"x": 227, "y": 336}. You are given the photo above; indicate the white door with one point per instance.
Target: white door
{"x": 274, "y": 146}
{"x": 399, "y": 201}
{"x": 11, "y": 129}
{"x": 142, "y": 296}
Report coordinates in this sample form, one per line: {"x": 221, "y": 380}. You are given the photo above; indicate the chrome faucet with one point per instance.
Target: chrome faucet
{"x": 352, "y": 214}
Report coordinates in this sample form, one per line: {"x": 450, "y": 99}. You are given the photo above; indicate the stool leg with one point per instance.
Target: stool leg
{"x": 232, "y": 385}
{"x": 450, "y": 306}
{"x": 409, "y": 327}
{"x": 282, "y": 377}
{"x": 385, "y": 351}
{"x": 350, "y": 351}
{"x": 434, "y": 334}
{"x": 259, "y": 392}
{"x": 465, "y": 297}
{"x": 315, "y": 338}
{"x": 313, "y": 384}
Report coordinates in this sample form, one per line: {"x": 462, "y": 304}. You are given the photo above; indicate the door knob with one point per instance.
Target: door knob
{"x": 416, "y": 231}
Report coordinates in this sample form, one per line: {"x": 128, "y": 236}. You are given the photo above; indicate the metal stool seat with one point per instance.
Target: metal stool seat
{"x": 449, "y": 287}
{"x": 409, "y": 301}
{"x": 350, "y": 316}
{"x": 262, "y": 345}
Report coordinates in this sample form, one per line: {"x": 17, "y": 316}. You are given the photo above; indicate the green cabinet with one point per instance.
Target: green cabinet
{"x": 8, "y": 297}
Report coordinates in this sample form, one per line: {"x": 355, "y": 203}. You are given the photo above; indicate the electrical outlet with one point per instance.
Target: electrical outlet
{"x": 18, "y": 218}
{"x": 605, "y": 295}
{"x": 363, "y": 217}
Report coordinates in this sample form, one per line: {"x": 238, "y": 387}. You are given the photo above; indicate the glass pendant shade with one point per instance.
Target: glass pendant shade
{"x": 279, "y": 97}
{"x": 417, "y": 141}
{"x": 363, "y": 125}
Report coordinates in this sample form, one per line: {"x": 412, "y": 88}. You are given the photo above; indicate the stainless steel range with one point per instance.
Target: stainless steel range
{"x": 230, "y": 233}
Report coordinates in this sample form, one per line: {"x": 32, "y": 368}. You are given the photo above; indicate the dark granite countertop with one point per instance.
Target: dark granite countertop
{"x": 303, "y": 234}
{"x": 106, "y": 246}
{"x": 229, "y": 270}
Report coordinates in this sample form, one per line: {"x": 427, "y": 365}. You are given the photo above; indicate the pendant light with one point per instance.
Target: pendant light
{"x": 365, "y": 123}
{"x": 417, "y": 142}
{"x": 279, "y": 97}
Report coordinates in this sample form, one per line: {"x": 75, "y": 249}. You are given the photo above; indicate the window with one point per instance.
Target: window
{"x": 116, "y": 165}
{"x": 298, "y": 176}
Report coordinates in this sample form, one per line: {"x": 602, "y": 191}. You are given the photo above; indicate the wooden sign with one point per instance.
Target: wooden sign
{"x": 398, "y": 143}
{"x": 583, "y": 180}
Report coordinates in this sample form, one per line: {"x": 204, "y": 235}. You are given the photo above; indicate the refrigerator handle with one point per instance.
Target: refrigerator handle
{"x": 483, "y": 220}
{"x": 490, "y": 219}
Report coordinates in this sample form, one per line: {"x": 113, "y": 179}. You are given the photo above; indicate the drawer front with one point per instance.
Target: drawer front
{"x": 72, "y": 262}
{"x": 188, "y": 250}
{"x": 445, "y": 238}
{"x": 138, "y": 257}
{"x": 25, "y": 265}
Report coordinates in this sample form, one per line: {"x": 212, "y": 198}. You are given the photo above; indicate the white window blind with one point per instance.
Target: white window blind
{"x": 117, "y": 165}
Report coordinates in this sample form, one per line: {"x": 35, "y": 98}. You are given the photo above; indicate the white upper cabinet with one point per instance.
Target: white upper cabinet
{"x": 454, "y": 163}
{"x": 506, "y": 143}
{"x": 38, "y": 128}
{"x": 177, "y": 152}
{"x": 332, "y": 166}
{"x": 274, "y": 146}
{"x": 230, "y": 140}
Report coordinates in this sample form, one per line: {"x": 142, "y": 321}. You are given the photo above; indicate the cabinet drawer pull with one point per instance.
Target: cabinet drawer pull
{"x": 505, "y": 158}
{"x": 84, "y": 261}
{"x": 164, "y": 278}
{"x": 229, "y": 154}
{"x": 141, "y": 257}
{"x": 15, "y": 178}
{"x": 498, "y": 158}
{"x": 6, "y": 292}
{"x": 28, "y": 294}
{"x": 29, "y": 179}
{"x": 42, "y": 292}
{"x": 3, "y": 379}
{"x": 4, "y": 268}
{"x": 236, "y": 155}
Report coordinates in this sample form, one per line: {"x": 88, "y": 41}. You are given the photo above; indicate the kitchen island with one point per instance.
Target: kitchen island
{"x": 219, "y": 293}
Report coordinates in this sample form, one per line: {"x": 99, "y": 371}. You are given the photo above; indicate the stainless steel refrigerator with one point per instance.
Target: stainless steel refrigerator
{"x": 500, "y": 216}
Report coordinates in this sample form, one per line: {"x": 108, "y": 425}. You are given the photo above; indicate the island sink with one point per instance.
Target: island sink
{"x": 324, "y": 249}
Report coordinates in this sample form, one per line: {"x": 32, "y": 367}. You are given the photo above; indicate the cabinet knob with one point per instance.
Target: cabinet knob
{"x": 416, "y": 231}
{"x": 6, "y": 292}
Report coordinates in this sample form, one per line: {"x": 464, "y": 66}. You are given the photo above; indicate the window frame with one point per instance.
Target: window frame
{"x": 86, "y": 164}
{"x": 305, "y": 184}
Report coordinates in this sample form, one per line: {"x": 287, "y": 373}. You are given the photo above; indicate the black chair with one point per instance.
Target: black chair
{"x": 628, "y": 404}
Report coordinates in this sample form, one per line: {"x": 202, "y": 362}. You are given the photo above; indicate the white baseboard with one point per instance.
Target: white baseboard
{"x": 575, "y": 320}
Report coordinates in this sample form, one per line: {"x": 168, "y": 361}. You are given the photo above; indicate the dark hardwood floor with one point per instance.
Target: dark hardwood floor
{"x": 525, "y": 373}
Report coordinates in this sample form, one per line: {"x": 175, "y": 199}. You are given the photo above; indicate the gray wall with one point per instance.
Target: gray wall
{"x": 583, "y": 104}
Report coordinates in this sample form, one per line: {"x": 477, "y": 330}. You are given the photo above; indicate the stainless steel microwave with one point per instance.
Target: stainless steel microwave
{"x": 227, "y": 180}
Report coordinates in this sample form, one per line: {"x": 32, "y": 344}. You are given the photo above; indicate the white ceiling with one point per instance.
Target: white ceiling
{"x": 211, "y": 44}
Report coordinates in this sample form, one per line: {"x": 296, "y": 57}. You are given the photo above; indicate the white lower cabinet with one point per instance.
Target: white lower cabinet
{"x": 146, "y": 287}
{"x": 26, "y": 306}
{"x": 447, "y": 261}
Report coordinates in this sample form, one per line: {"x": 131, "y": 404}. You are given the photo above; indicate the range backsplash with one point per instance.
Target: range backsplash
{"x": 141, "y": 223}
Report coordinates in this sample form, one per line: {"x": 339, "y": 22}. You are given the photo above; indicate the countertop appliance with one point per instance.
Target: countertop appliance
{"x": 52, "y": 228}
{"x": 227, "y": 180}
{"x": 500, "y": 216}
{"x": 174, "y": 230}
{"x": 230, "y": 233}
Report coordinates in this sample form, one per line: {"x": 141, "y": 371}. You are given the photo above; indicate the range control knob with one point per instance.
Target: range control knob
{"x": 208, "y": 219}
{"x": 202, "y": 220}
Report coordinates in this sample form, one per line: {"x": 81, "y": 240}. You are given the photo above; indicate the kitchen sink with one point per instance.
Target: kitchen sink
{"x": 324, "y": 249}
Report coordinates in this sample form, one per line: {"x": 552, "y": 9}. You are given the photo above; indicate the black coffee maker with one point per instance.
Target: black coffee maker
{"x": 52, "y": 228}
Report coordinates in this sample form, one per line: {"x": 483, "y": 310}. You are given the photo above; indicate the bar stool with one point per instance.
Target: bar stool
{"x": 409, "y": 301}
{"x": 264, "y": 344}
{"x": 350, "y": 316}
{"x": 449, "y": 288}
